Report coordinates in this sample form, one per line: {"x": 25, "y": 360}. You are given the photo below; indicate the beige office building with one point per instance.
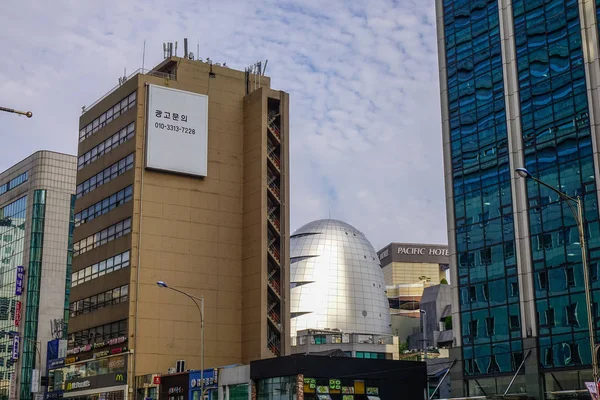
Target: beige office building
{"x": 157, "y": 202}
{"x": 408, "y": 268}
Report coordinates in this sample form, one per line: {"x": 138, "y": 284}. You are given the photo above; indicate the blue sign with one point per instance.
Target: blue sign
{"x": 20, "y": 275}
{"x": 15, "y": 349}
{"x": 56, "y": 363}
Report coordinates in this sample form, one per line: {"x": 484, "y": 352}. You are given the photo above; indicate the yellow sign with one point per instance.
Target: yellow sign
{"x": 69, "y": 386}
{"x": 119, "y": 378}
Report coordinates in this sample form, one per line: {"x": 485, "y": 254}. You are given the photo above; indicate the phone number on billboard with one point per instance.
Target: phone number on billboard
{"x": 175, "y": 128}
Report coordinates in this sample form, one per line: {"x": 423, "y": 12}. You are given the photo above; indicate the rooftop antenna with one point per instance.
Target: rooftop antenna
{"x": 198, "y": 50}
{"x": 185, "y": 48}
{"x": 144, "y": 56}
{"x": 265, "y": 67}
{"x": 175, "y": 49}
{"x": 164, "y": 50}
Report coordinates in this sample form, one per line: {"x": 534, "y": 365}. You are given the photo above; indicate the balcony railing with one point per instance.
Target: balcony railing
{"x": 274, "y": 251}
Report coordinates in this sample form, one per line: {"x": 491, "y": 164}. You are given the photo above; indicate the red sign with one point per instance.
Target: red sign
{"x": 18, "y": 314}
{"x": 156, "y": 380}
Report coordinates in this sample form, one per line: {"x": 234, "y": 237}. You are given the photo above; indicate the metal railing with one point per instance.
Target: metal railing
{"x": 138, "y": 71}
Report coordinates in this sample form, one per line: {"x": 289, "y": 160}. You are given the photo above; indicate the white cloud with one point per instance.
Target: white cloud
{"x": 365, "y": 119}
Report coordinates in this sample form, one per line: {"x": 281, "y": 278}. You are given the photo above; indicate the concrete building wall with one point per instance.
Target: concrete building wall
{"x": 406, "y": 272}
{"x": 205, "y": 236}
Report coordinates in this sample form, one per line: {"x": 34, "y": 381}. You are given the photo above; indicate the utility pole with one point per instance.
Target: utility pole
{"x": 28, "y": 114}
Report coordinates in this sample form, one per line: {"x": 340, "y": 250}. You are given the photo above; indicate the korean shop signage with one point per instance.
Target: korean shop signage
{"x": 98, "y": 381}
{"x": 18, "y": 313}
{"x": 15, "y": 347}
{"x": 19, "y": 284}
{"x": 97, "y": 345}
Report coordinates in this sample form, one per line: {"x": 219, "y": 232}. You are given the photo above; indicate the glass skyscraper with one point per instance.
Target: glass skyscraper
{"x": 519, "y": 86}
{"x": 36, "y": 225}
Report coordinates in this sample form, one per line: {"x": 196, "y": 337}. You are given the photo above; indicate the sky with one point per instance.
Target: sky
{"x": 365, "y": 130}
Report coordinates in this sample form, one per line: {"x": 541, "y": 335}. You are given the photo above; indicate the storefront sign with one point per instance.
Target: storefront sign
{"x": 78, "y": 385}
{"x": 70, "y": 360}
{"x": 98, "y": 381}
{"x": 156, "y": 380}
{"x": 98, "y": 345}
{"x": 118, "y": 350}
{"x": 175, "y": 390}
{"x": 15, "y": 348}
{"x": 12, "y": 391}
{"x": 116, "y": 362}
{"x": 373, "y": 391}
{"x": 19, "y": 285}
{"x": 35, "y": 380}
{"x": 18, "y": 313}
{"x": 101, "y": 354}
{"x": 56, "y": 363}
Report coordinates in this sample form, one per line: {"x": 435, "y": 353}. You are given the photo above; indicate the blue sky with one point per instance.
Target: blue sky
{"x": 362, "y": 77}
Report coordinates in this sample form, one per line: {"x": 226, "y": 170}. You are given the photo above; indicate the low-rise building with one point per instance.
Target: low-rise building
{"x": 409, "y": 268}
{"x": 435, "y": 319}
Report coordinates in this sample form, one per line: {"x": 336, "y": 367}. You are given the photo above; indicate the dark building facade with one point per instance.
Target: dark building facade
{"x": 317, "y": 377}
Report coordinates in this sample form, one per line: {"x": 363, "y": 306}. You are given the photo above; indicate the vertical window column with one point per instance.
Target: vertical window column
{"x": 34, "y": 274}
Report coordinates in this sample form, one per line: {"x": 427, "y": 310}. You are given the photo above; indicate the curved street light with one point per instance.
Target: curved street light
{"x": 573, "y": 202}
{"x": 162, "y": 284}
{"x": 28, "y": 114}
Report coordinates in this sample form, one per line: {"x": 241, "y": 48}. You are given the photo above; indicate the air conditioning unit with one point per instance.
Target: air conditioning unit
{"x": 171, "y": 370}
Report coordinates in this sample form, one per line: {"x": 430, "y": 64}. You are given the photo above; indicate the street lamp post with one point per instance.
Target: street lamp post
{"x": 424, "y": 315}
{"x": 578, "y": 215}
{"x": 200, "y": 307}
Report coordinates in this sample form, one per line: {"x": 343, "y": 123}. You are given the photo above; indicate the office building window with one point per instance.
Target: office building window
{"x": 114, "y": 296}
{"x": 104, "y": 236}
{"x": 101, "y": 268}
{"x": 104, "y": 206}
{"x": 101, "y": 149}
{"x": 106, "y": 175}
{"x": 109, "y": 115}
{"x": 370, "y": 354}
{"x": 13, "y": 183}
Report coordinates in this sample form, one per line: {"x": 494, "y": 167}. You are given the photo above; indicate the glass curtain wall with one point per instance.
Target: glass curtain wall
{"x": 12, "y": 243}
{"x": 34, "y": 274}
{"x": 558, "y": 150}
{"x": 487, "y": 272}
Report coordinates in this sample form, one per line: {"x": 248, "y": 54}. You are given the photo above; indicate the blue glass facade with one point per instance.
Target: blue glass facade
{"x": 12, "y": 244}
{"x": 558, "y": 150}
{"x": 487, "y": 273}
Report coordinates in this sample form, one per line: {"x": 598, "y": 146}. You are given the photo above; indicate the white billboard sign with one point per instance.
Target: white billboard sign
{"x": 35, "y": 380}
{"x": 177, "y": 131}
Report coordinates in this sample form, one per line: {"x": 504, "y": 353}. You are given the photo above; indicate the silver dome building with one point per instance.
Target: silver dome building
{"x": 337, "y": 284}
